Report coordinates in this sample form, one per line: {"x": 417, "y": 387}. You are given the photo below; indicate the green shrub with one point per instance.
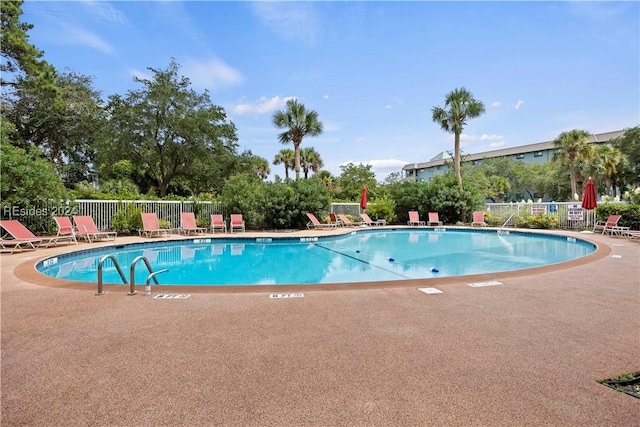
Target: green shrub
{"x": 630, "y": 214}
{"x": 539, "y": 221}
{"x": 382, "y": 208}
{"x": 128, "y": 219}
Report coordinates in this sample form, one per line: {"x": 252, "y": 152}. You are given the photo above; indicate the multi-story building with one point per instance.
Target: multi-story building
{"x": 540, "y": 152}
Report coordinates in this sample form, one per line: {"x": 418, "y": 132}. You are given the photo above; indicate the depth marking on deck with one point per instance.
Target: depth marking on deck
{"x": 616, "y": 256}
{"x": 481, "y": 284}
{"x": 172, "y": 296}
{"x": 279, "y": 296}
{"x": 430, "y": 290}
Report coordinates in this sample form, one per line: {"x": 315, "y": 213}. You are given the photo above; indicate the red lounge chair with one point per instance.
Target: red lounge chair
{"x": 65, "y": 227}
{"x": 22, "y": 238}
{"x": 86, "y": 228}
{"x": 151, "y": 226}
{"x": 236, "y": 222}
{"x": 478, "y": 219}
{"x": 414, "y": 218}
{"x": 218, "y": 222}
{"x": 366, "y": 220}
{"x": 314, "y": 223}
{"x": 434, "y": 219}
{"x": 346, "y": 221}
{"x": 333, "y": 219}
{"x": 189, "y": 225}
{"x": 608, "y": 226}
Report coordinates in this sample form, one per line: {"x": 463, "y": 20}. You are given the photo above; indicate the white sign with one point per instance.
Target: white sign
{"x": 481, "y": 284}
{"x": 537, "y": 210}
{"x": 273, "y": 296}
{"x": 172, "y": 296}
{"x": 575, "y": 213}
{"x": 430, "y": 290}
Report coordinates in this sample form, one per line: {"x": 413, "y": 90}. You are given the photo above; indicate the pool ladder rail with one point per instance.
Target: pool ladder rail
{"x": 132, "y": 290}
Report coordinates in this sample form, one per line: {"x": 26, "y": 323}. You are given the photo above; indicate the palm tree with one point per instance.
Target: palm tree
{"x": 261, "y": 167}
{"x": 298, "y": 123}
{"x": 609, "y": 162}
{"x": 286, "y": 156}
{"x": 572, "y": 146}
{"x": 459, "y": 106}
{"x": 310, "y": 160}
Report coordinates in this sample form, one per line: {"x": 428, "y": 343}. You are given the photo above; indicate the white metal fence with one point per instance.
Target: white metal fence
{"x": 569, "y": 214}
{"x": 169, "y": 210}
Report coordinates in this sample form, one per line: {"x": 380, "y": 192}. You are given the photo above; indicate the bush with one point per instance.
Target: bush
{"x": 630, "y": 214}
{"x": 286, "y": 204}
{"x": 127, "y": 220}
{"x": 382, "y": 208}
{"x": 540, "y": 221}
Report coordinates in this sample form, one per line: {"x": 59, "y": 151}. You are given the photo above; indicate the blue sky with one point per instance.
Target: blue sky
{"x": 372, "y": 70}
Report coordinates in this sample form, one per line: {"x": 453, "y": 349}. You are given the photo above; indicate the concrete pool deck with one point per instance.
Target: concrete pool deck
{"x": 527, "y": 352}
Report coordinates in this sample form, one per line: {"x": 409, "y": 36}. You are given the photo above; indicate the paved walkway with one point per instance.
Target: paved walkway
{"x": 527, "y": 352}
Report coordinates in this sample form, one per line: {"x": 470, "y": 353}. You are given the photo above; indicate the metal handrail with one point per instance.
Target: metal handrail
{"x": 147, "y": 287}
{"x": 116, "y": 265}
{"x": 506, "y": 222}
{"x": 132, "y": 268}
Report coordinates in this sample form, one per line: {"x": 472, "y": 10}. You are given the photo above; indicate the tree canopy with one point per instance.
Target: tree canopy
{"x": 298, "y": 122}
{"x": 165, "y": 127}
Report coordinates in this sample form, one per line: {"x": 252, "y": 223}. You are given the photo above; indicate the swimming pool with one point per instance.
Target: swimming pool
{"x": 360, "y": 256}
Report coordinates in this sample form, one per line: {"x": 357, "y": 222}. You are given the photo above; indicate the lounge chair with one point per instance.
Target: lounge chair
{"x": 189, "y": 225}
{"x": 86, "y": 228}
{"x": 346, "y": 221}
{"x": 236, "y": 222}
{"x": 333, "y": 219}
{"x": 65, "y": 227}
{"x": 22, "y": 238}
{"x": 434, "y": 219}
{"x": 151, "y": 226}
{"x": 19, "y": 244}
{"x": 366, "y": 220}
{"x": 607, "y": 226}
{"x": 478, "y": 219}
{"x": 314, "y": 223}
{"x": 218, "y": 222}
{"x": 414, "y": 218}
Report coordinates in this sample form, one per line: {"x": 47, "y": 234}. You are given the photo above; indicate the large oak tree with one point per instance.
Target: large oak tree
{"x": 168, "y": 130}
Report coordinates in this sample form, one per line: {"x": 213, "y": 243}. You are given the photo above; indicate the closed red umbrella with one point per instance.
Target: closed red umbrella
{"x": 589, "y": 196}
{"x": 363, "y": 198}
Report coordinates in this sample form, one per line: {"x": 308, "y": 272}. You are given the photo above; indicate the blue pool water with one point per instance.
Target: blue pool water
{"x": 362, "y": 256}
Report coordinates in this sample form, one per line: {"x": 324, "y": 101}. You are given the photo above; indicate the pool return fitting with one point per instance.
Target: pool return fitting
{"x": 132, "y": 290}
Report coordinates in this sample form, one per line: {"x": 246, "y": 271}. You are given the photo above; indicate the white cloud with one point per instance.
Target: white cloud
{"x": 359, "y": 140}
{"x": 497, "y": 144}
{"x": 486, "y": 137}
{"x": 77, "y": 35}
{"x": 212, "y": 74}
{"x": 326, "y": 96}
{"x": 518, "y": 104}
{"x": 291, "y": 21}
{"x": 105, "y": 12}
{"x": 264, "y": 105}
{"x": 387, "y": 107}
{"x": 495, "y": 104}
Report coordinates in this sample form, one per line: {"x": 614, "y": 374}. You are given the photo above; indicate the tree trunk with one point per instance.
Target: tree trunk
{"x": 456, "y": 159}
{"x": 296, "y": 146}
{"x": 572, "y": 171}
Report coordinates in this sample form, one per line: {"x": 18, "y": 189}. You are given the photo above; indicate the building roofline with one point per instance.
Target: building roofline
{"x": 538, "y": 146}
